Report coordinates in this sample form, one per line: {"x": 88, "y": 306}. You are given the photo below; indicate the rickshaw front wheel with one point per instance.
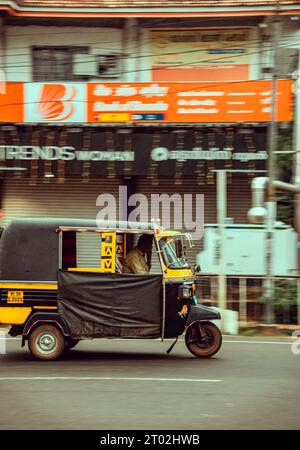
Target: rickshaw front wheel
{"x": 46, "y": 342}
{"x": 203, "y": 339}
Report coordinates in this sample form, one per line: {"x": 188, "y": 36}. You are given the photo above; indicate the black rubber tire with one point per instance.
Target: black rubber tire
{"x": 204, "y": 350}
{"x": 70, "y": 343}
{"x": 46, "y": 342}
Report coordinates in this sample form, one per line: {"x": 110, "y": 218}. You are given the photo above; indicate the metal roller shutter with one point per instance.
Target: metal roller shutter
{"x": 73, "y": 199}
{"x": 76, "y": 199}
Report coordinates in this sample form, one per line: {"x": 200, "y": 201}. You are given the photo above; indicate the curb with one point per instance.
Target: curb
{"x": 268, "y": 329}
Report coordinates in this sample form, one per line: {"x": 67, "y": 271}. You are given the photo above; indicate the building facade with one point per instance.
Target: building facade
{"x": 101, "y": 94}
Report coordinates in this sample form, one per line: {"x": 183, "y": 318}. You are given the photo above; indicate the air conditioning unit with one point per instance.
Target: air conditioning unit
{"x": 84, "y": 64}
{"x": 109, "y": 65}
{"x": 101, "y": 66}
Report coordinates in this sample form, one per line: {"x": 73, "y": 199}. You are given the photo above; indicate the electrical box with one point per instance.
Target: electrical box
{"x": 245, "y": 250}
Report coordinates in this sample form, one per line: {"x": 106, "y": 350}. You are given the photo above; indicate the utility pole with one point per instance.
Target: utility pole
{"x": 271, "y": 201}
{"x": 296, "y": 175}
{"x": 221, "y": 213}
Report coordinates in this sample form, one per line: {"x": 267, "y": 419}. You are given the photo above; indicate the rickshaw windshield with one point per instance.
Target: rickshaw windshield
{"x": 168, "y": 249}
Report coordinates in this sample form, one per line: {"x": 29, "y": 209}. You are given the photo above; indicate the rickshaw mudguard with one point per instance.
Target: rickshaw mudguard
{"x": 201, "y": 313}
{"x": 42, "y": 318}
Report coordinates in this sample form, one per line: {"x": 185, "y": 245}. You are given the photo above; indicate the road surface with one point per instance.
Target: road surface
{"x": 252, "y": 383}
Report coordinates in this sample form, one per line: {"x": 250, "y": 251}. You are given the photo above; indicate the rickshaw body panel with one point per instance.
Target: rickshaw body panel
{"x": 176, "y": 311}
{"x": 201, "y": 313}
{"x": 20, "y": 300}
{"x": 14, "y": 315}
{"x": 43, "y": 317}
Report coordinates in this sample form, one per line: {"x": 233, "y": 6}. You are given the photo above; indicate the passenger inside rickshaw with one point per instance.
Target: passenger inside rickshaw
{"x": 138, "y": 260}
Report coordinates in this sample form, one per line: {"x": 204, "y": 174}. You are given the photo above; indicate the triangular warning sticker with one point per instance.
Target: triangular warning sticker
{"x": 120, "y": 248}
{"x": 108, "y": 251}
{"x": 107, "y": 264}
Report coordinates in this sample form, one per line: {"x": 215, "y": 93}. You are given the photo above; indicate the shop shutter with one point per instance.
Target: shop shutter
{"x": 73, "y": 199}
{"x": 76, "y": 199}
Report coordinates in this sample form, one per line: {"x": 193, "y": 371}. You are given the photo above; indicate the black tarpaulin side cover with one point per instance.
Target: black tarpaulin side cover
{"x": 110, "y": 305}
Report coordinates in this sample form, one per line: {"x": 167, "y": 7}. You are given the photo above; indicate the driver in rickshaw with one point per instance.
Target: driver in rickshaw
{"x": 136, "y": 261}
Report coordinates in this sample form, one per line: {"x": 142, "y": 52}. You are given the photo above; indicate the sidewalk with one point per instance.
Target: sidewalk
{"x": 253, "y": 328}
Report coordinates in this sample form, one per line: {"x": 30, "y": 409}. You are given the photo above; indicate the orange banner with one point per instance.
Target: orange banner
{"x": 236, "y": 72}
{"x": 247, "y": 101}
{"x": 218, "y": 102}
{"x": 12, "y": 102}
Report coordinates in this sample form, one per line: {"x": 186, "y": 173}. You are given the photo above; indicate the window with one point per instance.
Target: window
{"x": 168, "y": 249}
{"x": 55, "y": 63}
{"x": 88, "y": 250}
{"x": 81, "y": 250}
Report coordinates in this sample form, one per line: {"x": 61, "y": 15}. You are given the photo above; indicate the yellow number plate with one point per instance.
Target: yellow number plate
{"x": 15, "y": 296}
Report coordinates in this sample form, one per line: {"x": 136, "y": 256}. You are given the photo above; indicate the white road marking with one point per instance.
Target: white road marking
{"x": 257, "y": 342}
{"x": 188, "y": 380}
{"x": 289, "y": 340}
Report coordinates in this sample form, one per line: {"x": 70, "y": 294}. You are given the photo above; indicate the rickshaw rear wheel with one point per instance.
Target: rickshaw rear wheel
{"x": 46, "y": 342}
{"x": 70, "y": 343}
{"x": 206, "y": 345}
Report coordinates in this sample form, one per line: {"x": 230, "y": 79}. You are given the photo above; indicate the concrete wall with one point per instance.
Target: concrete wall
{"x": 19, "y": 41}
{"x": 132, "y": 41}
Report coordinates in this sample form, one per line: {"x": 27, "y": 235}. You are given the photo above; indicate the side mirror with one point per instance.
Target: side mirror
{"x": 197, "y": 269}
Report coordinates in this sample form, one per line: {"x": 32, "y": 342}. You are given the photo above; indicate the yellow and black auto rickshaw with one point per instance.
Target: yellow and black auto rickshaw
{"x": 53, "y": 296}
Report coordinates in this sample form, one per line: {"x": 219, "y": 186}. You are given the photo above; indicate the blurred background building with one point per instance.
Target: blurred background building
{"x": 102, "y": 93}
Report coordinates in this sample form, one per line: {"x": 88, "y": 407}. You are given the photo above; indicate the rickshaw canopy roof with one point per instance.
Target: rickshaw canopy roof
{"x": 29, "y": 247}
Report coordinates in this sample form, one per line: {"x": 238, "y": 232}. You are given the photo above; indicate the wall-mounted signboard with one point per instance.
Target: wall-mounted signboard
{"x": 202, "y": 54}
{"x": 223, "y": 102}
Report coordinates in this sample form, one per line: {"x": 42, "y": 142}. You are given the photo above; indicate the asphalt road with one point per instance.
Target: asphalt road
{"x": 129, "y": 385}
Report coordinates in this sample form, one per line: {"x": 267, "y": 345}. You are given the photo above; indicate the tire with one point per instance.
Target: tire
{"x": 70, "y": 343}
{"x": 196, "y": 344}
{"x": 46, "y": 343}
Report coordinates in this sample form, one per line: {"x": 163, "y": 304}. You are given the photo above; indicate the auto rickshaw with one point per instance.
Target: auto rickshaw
{"x": 54, "y": 299}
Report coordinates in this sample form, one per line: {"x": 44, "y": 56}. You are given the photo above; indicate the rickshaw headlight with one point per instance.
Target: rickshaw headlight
{"x": 185, "y": 292}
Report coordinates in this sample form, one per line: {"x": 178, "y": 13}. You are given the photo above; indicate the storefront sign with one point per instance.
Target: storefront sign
{"x": 238, "y": 102}
{"x": 194, "y": 102}
{"x": 203, "y": 54}
{"x": 51, "y": 102}
{"x": 163, "y": 154}
{"x": 12, "y": 103}
{"x": 27, "y": 152}
{"x": 139, "y": 152}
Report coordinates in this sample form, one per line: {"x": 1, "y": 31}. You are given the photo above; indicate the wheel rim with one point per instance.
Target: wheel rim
{"x": 46, "y": 343}
{"x": 206, "y": 342}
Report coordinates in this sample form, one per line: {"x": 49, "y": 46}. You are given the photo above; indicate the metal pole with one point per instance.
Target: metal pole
{"x": 271, "y": 203}
{"x": 269, "y": 281}
{"x": 296, "y": 137}
{"x": 243, "y": 299}
{"x": 296, "y": 178}
{"x": 298, "y": 301}
{"x": 221, "y": 213}
{"x": 163, "y": 325}
{"x": 60, "y": 249}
